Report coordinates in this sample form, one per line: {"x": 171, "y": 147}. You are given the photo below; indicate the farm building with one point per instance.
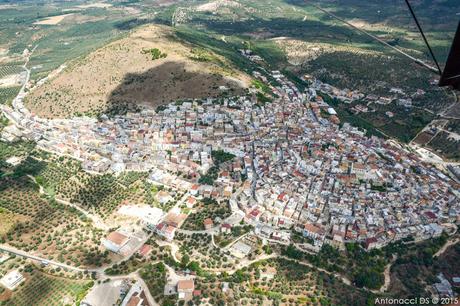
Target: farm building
{"x": 115, "y": 241}
{"x": 12, "y": 279}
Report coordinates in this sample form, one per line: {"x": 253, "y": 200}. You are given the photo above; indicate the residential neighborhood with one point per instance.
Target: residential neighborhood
{"x": 229, "y": 153}
{"x": 293, "y": 165}
{"x": 285, "y": 168}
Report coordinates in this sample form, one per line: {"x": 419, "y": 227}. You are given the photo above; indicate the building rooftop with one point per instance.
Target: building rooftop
{"x": 117, "y": 238}
{"x": 185, "y": 285}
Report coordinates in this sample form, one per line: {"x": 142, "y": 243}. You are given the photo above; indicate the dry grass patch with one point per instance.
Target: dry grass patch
{"x": 52, "y": 20}
{"x": 95, "y": 5}
{"x": 8, "y": 220}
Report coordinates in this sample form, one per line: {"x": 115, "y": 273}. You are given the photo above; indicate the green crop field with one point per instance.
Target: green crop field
{"x": 57, "y": 44}
{"x": 8, "y": 94}
{"x": 7, "y": 70}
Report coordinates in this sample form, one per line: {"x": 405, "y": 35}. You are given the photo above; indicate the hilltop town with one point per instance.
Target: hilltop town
{"x": 272, "y": 168}
{"x": 228, "y": 152}
{"x": 283, "y": 164}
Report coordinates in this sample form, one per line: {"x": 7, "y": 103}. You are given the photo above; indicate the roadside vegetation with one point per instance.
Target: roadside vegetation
{"x": 279, "y": 282}
{"x": 202, "y": 255}
{"x": 365, "y": 268}
{"x": 154, "y": 276}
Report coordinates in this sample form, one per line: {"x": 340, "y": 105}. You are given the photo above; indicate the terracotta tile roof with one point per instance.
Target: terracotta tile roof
{"x": 185, "y": 285}
{"x": 117, "y": 238}
{"x": 145, "y": 250}
{"x": 208, "y": 221}
{"x": 133, "y": 301}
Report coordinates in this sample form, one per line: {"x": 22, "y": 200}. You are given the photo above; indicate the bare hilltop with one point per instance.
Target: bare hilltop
{"x": 149, "y": 67}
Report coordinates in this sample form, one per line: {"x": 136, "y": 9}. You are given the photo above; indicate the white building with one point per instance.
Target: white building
{"x": 12, "y": 279}
{"x": 133, "y": 297}
{"x": 115, "y": 241}
{"x": 331, "y": 111}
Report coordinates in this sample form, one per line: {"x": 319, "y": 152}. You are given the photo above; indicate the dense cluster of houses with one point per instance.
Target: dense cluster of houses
{"x": 293, "y": 165}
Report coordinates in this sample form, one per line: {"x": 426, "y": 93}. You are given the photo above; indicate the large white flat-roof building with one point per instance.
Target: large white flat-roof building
{"x": 12, "y": 279}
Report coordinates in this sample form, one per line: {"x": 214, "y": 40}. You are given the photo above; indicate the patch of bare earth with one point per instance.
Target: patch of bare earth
{"x": 216, "y": 5}
{"x": 6, "y": 295}
{"x": 80, "y": 18}
{"x": 121, "y": 73}
{"x": 95, "y": 5}
{"x": 52, "y": 20}
{"x": 7, "y": 6}
{"x": 8, "y": 221}
{"x": 165, "y": 2}
{"x": 7, "y": 58}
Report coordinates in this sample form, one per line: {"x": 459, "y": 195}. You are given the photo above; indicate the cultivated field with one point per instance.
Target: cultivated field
{"x": 199, "y": 248}
{"x": 124, "y": 74}
{"x": 279, "y": 282}
{"x": 52, "y": 20}
{"x": 300, "y": 52}
{"x": 7, "y": 94}
{"x": 10, "y": 82}
{"x": 37, "y": 223}
{"x": 43, "y": 290}
{"x": 63, "y": 179}
{"x": 207, "y": 208}
{"x": 8, "y": 220}
{"x": 52, "y": 230}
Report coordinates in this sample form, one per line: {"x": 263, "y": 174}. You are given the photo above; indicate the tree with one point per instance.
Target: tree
{"x": 185, "y": 260}
{"x": 292, "y": 252}
{"x": 370, "y": 279}
{"x": 194, "y": 266}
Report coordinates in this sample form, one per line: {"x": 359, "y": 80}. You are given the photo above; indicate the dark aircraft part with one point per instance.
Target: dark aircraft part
{"x": 451, "y": 74}
{"x": 423, "y": 36}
